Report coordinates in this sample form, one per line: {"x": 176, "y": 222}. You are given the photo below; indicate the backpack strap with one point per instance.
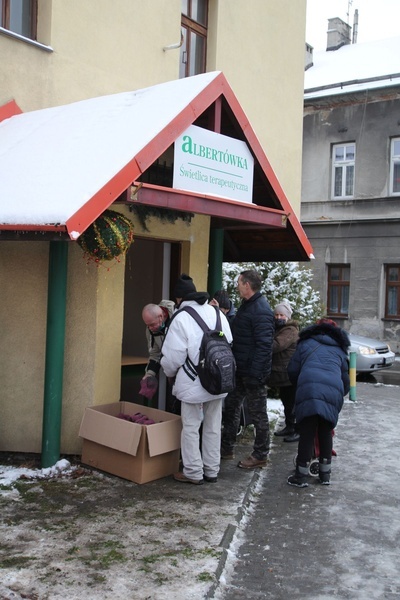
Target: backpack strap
{"x": 189, "y": 367}
{"x": 193, "y": 313}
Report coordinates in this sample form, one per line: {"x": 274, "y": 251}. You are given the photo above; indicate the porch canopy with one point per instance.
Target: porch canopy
{"x": 61, "y": 167}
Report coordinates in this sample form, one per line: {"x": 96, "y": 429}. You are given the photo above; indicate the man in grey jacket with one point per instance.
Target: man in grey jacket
{"x": 156, "y": 317}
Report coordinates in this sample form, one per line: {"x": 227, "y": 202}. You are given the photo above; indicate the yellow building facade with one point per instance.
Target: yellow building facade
{"x": 95, "y": 48}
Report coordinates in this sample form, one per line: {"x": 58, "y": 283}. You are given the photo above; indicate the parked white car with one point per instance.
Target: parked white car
{"x": 372, "y": 355}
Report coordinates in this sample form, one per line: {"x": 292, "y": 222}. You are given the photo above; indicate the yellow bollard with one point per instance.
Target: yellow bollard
{"x": 352, "y": 373}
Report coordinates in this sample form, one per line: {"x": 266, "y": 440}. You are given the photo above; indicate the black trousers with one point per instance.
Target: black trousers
{"x": 287, "y": 395}
{"x": 308, "y": 428}
{"x": 256, "y": 399}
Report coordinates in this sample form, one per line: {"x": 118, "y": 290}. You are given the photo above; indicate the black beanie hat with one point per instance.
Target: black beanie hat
{"x": 184, "y": 286}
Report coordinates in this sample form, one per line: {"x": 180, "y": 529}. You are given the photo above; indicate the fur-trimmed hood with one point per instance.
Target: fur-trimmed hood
{"x": 320, "y": 330}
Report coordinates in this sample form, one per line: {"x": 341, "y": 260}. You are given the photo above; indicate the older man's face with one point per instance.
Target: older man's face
{"x": 153, "y": 322}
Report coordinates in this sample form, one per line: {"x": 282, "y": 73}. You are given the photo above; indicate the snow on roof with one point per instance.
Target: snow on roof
{"x": 375, "y": 61}
{"x": 61, "y": 167}
{"x": 53, "y": 161}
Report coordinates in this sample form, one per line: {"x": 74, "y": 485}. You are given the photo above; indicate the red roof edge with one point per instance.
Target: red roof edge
{"x": 180, "y": 123}
{"x": 259, "y": 153}
{"x": 212, "y": 206}
{"x": 102, "y": 200}
{"x": 85, "y": 216}
{"x": 9, "y": 110}
{"x": 122, "y": 180}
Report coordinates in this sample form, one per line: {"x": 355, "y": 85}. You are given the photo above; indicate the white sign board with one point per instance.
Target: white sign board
{"x": 213, "y": 164}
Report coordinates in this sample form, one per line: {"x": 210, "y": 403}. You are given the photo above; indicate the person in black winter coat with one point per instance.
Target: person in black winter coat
{"x": 320, "y": 370}
{"x": 253, "y": 331}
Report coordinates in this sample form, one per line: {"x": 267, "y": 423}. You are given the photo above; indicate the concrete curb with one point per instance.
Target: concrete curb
{"x": 231, "y": 531}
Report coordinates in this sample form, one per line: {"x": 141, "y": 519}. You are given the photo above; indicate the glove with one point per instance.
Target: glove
{"x": 251, "y": 382}
{"x": 148, "y": 386}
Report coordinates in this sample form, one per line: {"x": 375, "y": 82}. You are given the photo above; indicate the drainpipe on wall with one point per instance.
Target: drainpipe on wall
{"x": 215, "y": 260}
{"x": 55, "y": 341}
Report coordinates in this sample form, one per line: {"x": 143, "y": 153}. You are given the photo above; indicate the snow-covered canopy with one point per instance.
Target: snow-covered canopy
{"x": 354, "y": 67}
{"x": 61, "y": 167}
{"x": 53, "y": 161}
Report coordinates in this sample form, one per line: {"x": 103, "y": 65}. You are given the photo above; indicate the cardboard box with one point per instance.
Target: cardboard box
{"x": 140, "y": 453}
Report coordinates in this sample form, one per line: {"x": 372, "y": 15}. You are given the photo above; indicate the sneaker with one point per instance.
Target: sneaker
{"x": 210, "y": 479}
{"x": 293, "y": 437}
{"x": 285, "y": 431}
{"x": 297, "y": 480}
{"x": 251, "y": 463}
{"x": 183, "y": 479}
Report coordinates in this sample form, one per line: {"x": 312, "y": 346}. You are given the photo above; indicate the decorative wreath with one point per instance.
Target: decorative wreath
{"x": 108, "y": 237}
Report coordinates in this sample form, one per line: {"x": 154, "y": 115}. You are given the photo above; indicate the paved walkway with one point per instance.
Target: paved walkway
{"x": 323, "y": 542}
{"x": 249, "y": 536}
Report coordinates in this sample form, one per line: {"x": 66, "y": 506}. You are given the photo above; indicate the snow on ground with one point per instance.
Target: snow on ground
{"x": 69, "y": 532}
{"x": 10, "y": 474}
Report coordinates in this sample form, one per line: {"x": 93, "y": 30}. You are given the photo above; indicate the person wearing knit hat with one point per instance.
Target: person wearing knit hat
{"x": 284, "y": 308}
{"x": 183, "y": 287}
{"x": 199, "y": 408}
{"x": 283, "y": 347}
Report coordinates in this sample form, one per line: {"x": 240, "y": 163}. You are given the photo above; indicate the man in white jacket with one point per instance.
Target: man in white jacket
{"x": 198, "y": 407}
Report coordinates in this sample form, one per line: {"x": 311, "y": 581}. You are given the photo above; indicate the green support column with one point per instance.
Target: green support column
{"x": 215, "y": 260}
{"x": 352, "y": 373}
{"x": 54, "y": 367}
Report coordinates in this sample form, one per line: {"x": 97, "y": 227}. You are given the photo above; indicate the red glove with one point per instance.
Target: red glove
{"x": 148, "y": 386}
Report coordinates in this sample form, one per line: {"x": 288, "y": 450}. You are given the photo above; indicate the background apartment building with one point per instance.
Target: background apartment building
{"x": 351, "y": 180}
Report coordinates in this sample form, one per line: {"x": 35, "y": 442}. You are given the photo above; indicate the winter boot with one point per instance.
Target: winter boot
{"x": 287, "y": 430}
{"x": 324, "y": 471}
{"x": 293, "y": 437}
{"x": 299, "y": 479}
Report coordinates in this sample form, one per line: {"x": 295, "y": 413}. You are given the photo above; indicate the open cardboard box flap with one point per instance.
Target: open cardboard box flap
{"x": 164, "y": 439}
{"x": 102, "y": 425}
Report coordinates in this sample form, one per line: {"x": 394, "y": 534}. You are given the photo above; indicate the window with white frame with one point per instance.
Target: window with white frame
{"x": 19, "y": 16}
{"x": 343, "y": 163}
{"x": 395, "y": 166}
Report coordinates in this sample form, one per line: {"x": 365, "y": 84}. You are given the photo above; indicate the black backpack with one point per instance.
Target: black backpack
{"x": 217, "y": 366}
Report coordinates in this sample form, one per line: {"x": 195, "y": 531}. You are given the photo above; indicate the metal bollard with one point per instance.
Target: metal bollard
{"x": 352, "y": 373}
